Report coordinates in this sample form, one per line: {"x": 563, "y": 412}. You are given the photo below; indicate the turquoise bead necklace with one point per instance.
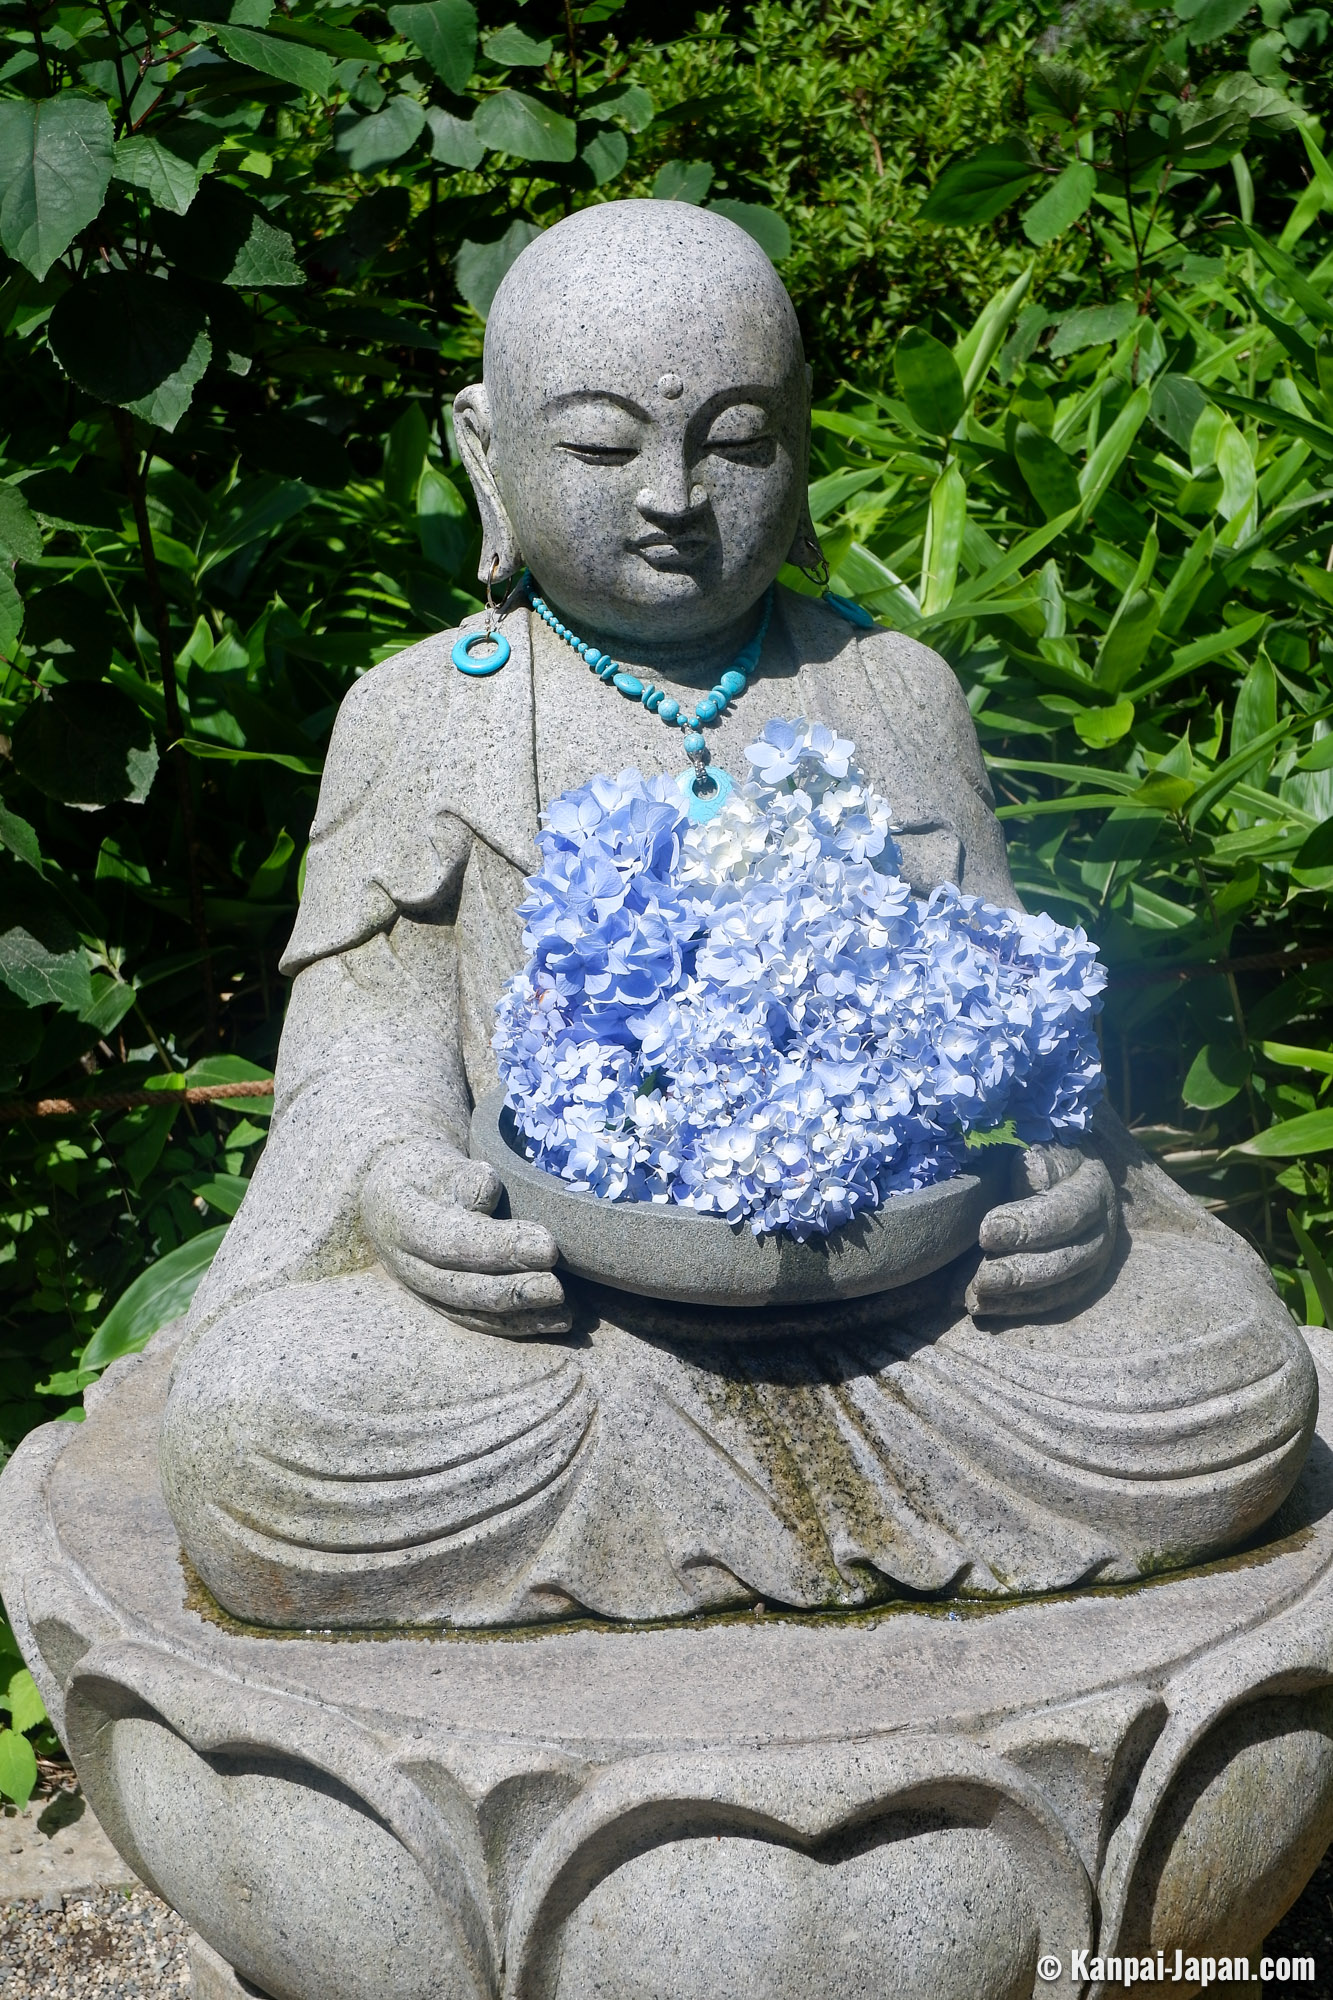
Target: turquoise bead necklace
{"x": 704, "y": 790}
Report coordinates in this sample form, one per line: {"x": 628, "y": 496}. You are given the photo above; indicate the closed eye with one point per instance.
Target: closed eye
{"x": 744, "y": 451}
{"x": 601, "y": 454}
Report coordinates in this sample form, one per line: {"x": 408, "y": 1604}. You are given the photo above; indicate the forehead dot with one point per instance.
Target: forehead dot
{"x": 670, "y": 386}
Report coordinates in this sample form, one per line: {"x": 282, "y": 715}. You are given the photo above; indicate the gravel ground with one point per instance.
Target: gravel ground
{"x": 111, "y": 1946}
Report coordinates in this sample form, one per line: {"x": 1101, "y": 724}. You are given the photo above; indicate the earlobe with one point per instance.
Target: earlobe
{"x": 500, "y": 554}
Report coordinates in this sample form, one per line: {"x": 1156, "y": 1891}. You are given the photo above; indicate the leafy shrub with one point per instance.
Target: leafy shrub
{"x": 1114, "y": 522}
{"x": 228, "y": 486}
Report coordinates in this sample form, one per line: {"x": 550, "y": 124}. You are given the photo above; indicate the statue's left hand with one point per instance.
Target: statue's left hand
{"x": 1049, "y": 1248}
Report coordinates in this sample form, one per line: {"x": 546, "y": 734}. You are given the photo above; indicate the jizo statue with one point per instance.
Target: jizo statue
{"x": 390, "y": 1408}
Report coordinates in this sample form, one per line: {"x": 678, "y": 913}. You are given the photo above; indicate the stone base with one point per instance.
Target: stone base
{"x": 916, "y": 1802}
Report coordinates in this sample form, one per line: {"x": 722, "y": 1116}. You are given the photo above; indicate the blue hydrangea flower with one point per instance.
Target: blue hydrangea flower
{"x": 756, "y": 1017}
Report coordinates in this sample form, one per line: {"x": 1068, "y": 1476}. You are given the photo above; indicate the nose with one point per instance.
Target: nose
{"x": 673, "y": 494}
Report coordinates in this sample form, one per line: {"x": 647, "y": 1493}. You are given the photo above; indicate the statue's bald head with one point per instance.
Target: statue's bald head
{"x": 644, "y": 288}
{"x": 643, "y": 416}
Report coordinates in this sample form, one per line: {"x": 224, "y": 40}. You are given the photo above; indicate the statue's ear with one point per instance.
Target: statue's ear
{"x": 472, "y": 427}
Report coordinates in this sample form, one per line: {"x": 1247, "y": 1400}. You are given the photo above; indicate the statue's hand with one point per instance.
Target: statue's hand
{"x": 428, "y": 1215}
{"x": 1049, "y": 1248}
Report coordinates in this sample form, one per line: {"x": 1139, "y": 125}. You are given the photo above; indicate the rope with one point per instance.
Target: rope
{"x": 132, "y": 1100}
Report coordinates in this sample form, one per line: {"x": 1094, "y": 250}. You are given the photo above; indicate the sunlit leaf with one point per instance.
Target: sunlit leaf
{"x": 1217, "y": 1074}
{"x": 1292, "y": 1138}
{"x": 682, "y": 180}
{"x": 512, "y": 122}
{"x": 1060, "y": 207}
{"x": 159, "y": 1294}
{"x": 18, "y": 1767}
{"x": 768, "y": 229}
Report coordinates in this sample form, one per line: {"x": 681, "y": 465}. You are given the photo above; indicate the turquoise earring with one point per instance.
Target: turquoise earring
{"x": 491, "y": 661}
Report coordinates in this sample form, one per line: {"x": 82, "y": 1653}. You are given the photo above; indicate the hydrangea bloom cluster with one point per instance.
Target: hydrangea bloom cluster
{"x": 756, "y": 1018}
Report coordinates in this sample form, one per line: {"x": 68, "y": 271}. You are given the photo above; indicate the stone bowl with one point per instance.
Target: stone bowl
{"x": 659, "y": 1251}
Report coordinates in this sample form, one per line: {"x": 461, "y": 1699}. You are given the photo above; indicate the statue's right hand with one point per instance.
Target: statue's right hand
{"x": 429, "y": 1216}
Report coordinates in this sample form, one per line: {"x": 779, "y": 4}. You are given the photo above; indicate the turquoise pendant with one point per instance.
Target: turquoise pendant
{"x": 490, "y": 664}
{"x": 701, "y": 810}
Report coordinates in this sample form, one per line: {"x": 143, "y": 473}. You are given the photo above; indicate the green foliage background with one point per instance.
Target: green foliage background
{"x": 1067, "y": 291}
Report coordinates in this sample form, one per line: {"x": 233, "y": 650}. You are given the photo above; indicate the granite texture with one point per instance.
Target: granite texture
{"x": 919, "y": 1802}
{"x": 390, "y": 1407}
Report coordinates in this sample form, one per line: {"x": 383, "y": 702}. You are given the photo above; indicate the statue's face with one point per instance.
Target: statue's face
{"x": 649, "y": 417}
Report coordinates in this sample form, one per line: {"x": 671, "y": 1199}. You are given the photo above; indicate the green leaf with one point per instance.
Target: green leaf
{"x": 1178, "y": 401}
{"x": 1217, "y": 1074}
{"x": 26, "y": 1707}
{"x": 1312, "y": 1132}
{"x": 290, "y": 62}
{"x": 1319, "y": 1060}
{"x": 522, "y": 126}
{"x": 1256, "y": 708}
{"x": 945, "y": 523}
{"x": 767, "y": 228}
{"x": 1100, "y": 727}
{"x": 444, "y": 525}
{"x": 978, "y": 347}
{"x": 1215, "y": 18}
{"x": 976, "y": 190}
{"x": 515, "y": 50}
{"x": 11, "y": 614}
{"x": 1067, "y": 198}
{"x": 405, "y": 455}
{"x": 224, "y": 1192}
{"x": 1162, "y": 791}
{"x": 453, "y": 140}
{"x": 87, "y": 745}
{"x": 1092, "y": 326}
{"x": 131, "y": 341}
{"x": 1317, "y": 849}
{"x": 373, "y": 142}
{"x": 56, "y": 155}
{"x": 480, "y": 267}
{"x": 168, "y": 164}
{"x": 1047, "y": 471}
{"x": 1315, "y": 1265}
{"x": 21, "y": 840}
{"x": 1298, "y": 286}
{"x": 1111, "y": 450}
{"x": 159, "y": 1294}
{"x": 19, "y": 533}
{"x": 605, "y": 155}
{"x": 682, "y": 180}
{"x": 230, "y": 240}
{"x": 929, "y": 381}
{"x": 445, "y": 31}
{"x": 627, "y": 101}
{"x": 41, "y": 958}
{"x": 233, "y": 1069}
{"x": 18, "y": 1767}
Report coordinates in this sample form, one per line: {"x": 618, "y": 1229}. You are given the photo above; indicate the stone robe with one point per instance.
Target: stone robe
{"x": 337, "y": 1452}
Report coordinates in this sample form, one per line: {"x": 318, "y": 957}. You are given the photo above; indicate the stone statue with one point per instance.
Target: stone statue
{"x": 388, "y": 1408}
